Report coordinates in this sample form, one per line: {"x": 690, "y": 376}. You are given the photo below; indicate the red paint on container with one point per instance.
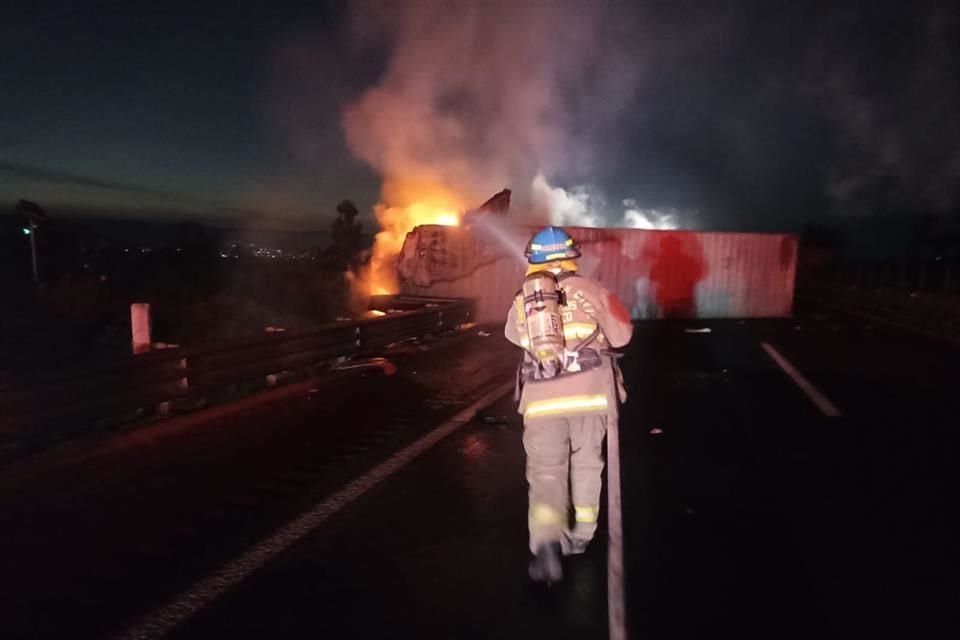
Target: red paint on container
{"x": 657, "y": 274}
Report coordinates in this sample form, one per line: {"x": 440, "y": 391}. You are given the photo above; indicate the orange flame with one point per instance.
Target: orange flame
{"x": 422, "y": 203}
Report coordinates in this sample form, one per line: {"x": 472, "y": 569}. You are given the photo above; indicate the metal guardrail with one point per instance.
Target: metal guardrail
{"x": 123, "y": 385}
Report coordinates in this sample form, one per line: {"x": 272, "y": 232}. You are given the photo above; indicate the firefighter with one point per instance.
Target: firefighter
{"x": 568, "y": 386}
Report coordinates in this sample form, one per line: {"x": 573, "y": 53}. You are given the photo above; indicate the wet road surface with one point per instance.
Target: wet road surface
{"x": 755, "y": 514}
{"x": 439, "y": 552}
{"x": 747, "y": 512}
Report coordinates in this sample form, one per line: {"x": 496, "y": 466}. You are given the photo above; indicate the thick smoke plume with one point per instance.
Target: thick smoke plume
{"x": 476, "y": 96}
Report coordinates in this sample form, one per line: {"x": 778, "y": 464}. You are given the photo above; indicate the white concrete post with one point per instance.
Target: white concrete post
{"x": 140, "y": 326}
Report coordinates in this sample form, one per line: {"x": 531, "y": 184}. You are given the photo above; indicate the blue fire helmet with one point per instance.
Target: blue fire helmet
{"x": 552, "y": 243}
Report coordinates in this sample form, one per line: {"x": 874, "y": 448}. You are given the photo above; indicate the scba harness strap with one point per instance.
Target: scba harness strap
{"x": 575, "y": 362}
{"x": 540, "y": 297}
{"x": 589, "y": 359}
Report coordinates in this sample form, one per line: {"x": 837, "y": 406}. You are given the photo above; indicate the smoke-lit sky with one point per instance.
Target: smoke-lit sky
{"x": 749, "y": 115}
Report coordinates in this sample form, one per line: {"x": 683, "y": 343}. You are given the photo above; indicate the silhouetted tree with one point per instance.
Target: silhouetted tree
{"x": 346, "y": 238}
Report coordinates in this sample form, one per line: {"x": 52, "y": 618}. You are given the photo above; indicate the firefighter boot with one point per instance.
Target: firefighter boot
{"x": 546, "y": 566}
{"x": 573, "y": 545}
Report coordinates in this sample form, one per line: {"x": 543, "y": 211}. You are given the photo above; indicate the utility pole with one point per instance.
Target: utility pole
{"x": 33, "y": 251}
{"x": 34, "y": 214}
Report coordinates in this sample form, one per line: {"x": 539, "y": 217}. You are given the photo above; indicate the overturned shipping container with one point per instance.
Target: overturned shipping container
{"x": 658, "y": 274}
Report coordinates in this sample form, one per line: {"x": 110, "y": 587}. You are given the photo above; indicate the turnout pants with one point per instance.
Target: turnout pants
{"x": 564, "y": 464}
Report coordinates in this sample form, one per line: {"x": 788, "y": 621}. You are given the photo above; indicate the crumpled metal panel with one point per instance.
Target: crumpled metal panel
{"x": 658, "y": 274}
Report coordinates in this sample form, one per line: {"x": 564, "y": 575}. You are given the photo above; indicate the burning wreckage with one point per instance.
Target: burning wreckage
{"x": 434, "y": 252}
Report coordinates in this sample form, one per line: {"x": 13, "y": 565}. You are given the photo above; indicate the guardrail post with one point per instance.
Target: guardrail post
{"x": 165, "y": 407}
{"x": 140, "y": 326}
{"x": 274, "y": 378}
{"x": 185, "y": 380}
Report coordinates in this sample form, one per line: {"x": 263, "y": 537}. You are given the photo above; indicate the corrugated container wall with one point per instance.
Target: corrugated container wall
{"x": 658, "y": 274}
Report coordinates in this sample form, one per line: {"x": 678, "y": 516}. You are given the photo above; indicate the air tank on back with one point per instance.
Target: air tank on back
{"x": 542, "y": 298}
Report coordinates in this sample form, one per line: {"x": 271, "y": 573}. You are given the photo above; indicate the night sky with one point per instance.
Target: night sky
{"x": 759, "y": 117}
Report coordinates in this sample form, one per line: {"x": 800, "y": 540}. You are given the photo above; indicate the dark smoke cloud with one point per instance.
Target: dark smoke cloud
{"x": 757, "y": 115}
{"x": 773, "y": 113}
{"x": 898, "y": 134}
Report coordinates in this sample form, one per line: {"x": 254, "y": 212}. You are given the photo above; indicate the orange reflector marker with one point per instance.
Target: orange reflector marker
{"x": 388, "y": 368}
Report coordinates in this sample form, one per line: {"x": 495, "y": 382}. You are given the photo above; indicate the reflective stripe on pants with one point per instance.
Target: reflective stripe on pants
{"x": 585, "y": 515}
{"x": 565, "y": 406}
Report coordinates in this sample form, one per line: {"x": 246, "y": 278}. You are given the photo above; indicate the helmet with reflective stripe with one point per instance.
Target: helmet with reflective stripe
{"x": 552, "y": 243}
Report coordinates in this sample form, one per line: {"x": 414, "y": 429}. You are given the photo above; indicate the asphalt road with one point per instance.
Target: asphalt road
{"x": 747, "y": 511}
{"x": 756, "y": 514}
